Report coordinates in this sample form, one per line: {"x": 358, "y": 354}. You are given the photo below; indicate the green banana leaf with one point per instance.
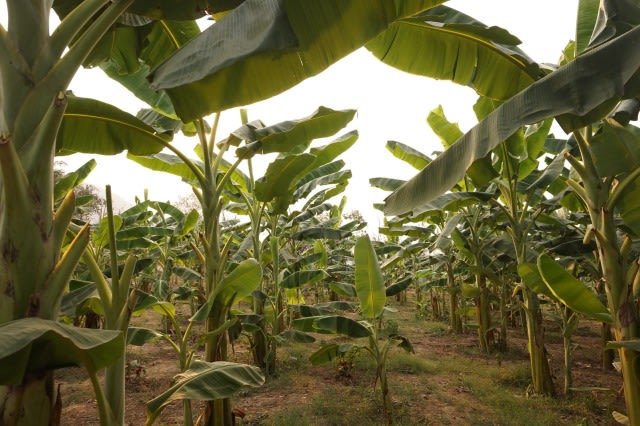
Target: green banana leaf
{"x": 445, "y": 44}
{"x": 570, "y": 291}
{"x": 452, "y": 202}
{"x": 343, "y": 289}
{"x": 165, "y": 9}
{"x": 320, "y": 233}
{"x": 369, "y": 281}
{"x": 205, "y": 381}
{"x": 236, "y": 285}
{"x": 287, "y": 135}
{"x": 533, "y": 280}
{"x": 330, "y": 352}
{"x": 585, "y": 23}
{"x": 281, "y": 176}
{"x": 407, "y": 154}
{"x": 139, "y": 336}
{"x": 341, "y": 325}
{"x": 306, "y": 214}
{"x": 167, "y": 163}
{"x": 323, "y": 33}
{"x": 317, "y": 172}
{"x": 633, "y": 344}
{"x": 327, "y": 153}
{"x": 300, "y": 278}
{"x": 71, "y": 180}
{"x": 386, "y": 184}
{"x": 35, "y": 344}
{"x": 481, "y": 171}
{"x": 580, "y": 87}
{"x": 297, "y": 336}
{"x": 338, "y": 178}
{"x": 95, "y": 127}
{"x": 398, "y": 286}
{"x": 307, "y": 323}
{"x": 615, "y": 149}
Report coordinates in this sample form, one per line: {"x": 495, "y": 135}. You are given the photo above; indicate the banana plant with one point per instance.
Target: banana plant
{"x": 39, "y": 118}
{"x": 218, "y": 182}
{"x": 300, "y": 173}
{"x": 371, "y": 293}
{"x": 36, "y": 69}
{"x": 600, "y": 89}
{"x": 608, "y": 190}
{"x": 117, "y": 300}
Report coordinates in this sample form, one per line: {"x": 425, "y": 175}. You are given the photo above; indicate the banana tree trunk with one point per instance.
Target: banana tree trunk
{"x": 625, "y": 322}
{"x": 455, "y": 319}
{"x": 33, "y": 402}
{"x": 504, "y": 295}
{"x": 483, "y": 315}
{"x": 608, "y": 355}
{"x": 568, "y": 365}
{"x": 542, "y": 381}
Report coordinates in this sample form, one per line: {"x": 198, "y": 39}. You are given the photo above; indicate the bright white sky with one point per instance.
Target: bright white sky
{"x": 391, "y": 105}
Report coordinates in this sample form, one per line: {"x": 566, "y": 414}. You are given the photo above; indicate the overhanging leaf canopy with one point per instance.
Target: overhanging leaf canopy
{"x": 33, "y": 344}
{"x": 95, "y": 127}
{"x": 580, "y": 87}
{"x": 443, "y": 43}
{"x": 325, "y": 31}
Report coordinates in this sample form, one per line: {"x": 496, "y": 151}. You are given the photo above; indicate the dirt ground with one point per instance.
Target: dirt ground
{"x": 435, "y": 396}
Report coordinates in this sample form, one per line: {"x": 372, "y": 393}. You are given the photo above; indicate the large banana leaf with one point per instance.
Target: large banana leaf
{"x": 35, "y": 344}
{"x": 162, "y": 9}
{"x": 300, "y": 278}
{"x": 443, "y": 43}
{"x": 570, "y": 291}
{"x": 585, "y": 23}
{"x": 205, "y": 381}
{"x": 145, "y": 49}
{"x": 91, "y": 126}
{"x": 287, "y": 135}
{"x": 236, "y": 285}
{"x": 452, "y": 201}
{"x": 369, "y": 281}
{"x": 330, "y": 352}
{"x": 281, "y": 176}
{"x": 341, "y": 325}
{"x": 70, "y": 180}
{"x": 615, "y": 149}
{"x": 481, "y": 171}
{"x": 341, "y": 177}
{"x": 580, "y": 87}
{"x": 168, "y": 163}
{"x": 323, "y": 32}
{"x": 318, "y": 232}
{"x": 326, "y": 153}
{"x": 407, "y": 154}
{"x": 533, "y": 280}
{"x": 315, "y": 174}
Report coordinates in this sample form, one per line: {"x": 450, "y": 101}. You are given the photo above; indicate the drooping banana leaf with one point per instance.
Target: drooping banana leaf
{"x": 369, "y": 281}
{"x": 35, "y": 344}
{"x": 580, "y": 87}
{"x": 206, "y": 381}
{"x": 310, "y": 36}
{"x": 445, "y": 44}
{"x": 91, "y": 126}
{"x": 570, "y": 291}
{"x": 287, "y": 135}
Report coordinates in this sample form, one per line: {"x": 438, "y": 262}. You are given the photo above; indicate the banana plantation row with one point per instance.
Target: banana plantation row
{"x": 529, "y": 223}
